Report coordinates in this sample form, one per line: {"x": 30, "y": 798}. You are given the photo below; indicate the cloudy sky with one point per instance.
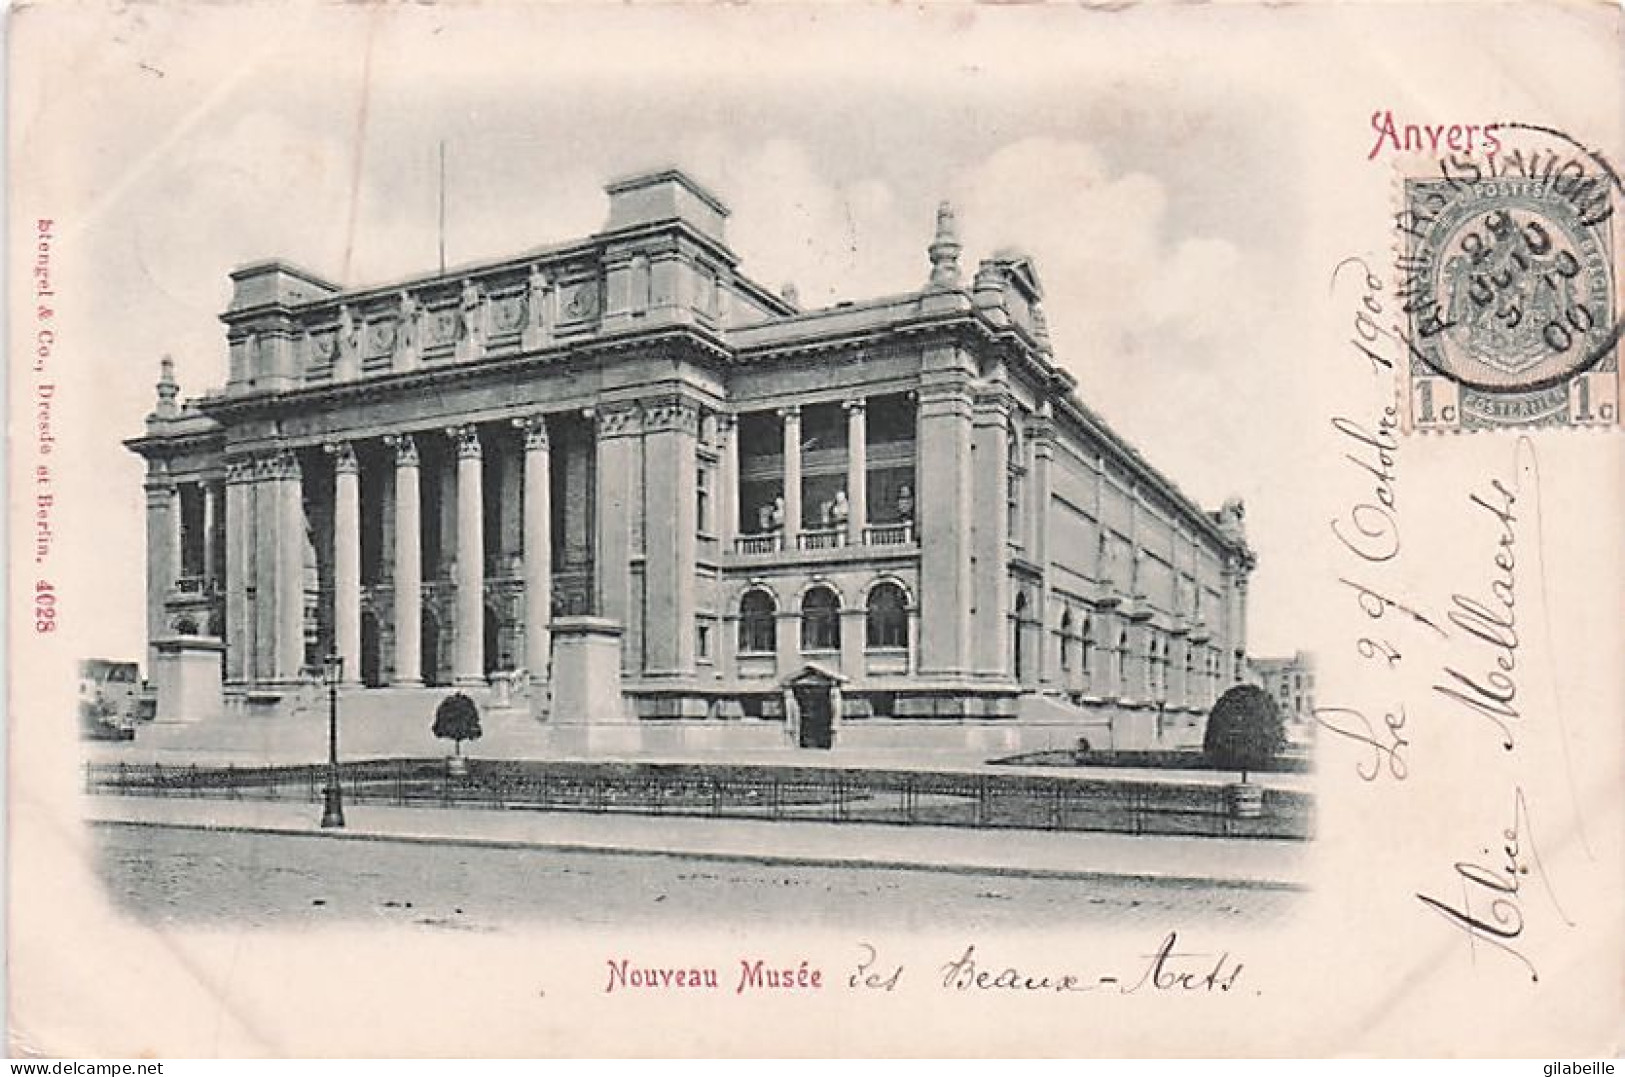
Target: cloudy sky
{"x": 1161, "y": 214}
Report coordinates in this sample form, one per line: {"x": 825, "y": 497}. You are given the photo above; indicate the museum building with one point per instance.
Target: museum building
{"x": 617, "y": 483}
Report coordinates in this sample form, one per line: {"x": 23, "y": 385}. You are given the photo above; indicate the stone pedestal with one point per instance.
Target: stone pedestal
{"x": 186, "y": 672}
{"x": 586, "y": 679}
{"x": 502, "y": 689}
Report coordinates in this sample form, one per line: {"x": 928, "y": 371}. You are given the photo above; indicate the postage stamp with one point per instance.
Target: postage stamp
{"x": 1508, "y": 270}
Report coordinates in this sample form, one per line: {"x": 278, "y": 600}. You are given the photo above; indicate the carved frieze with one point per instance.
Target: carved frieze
{"x": 442, "y": 327}
{"x": 277, "y": 466}
{"x": 671, "y": 414}
{"x": 381, "y": 334}
{"x": 324, "y": 346}
{"x": 618, "y": 420}
{"x": 508, "y": 313}
{"x": 239, "y": 469}
{"x": 580, "y": 301}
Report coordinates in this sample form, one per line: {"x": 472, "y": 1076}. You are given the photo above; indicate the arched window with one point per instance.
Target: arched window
{"x": 1019, "y": 627}
{"x": 1015, "y": 468}
{"x": 820, "y": 620}
{"x": 887, "y": 617}
{"x": 1066, "y": 640}
{"x": 1087, "y": 657}
{"x": 758, "y": 630}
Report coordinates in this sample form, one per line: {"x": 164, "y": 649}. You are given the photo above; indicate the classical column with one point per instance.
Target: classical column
{"x": 857, "y": 471}
{"x": 347, "y": 559}
{"x": 162, "y": 553}
{"x": 538, "y": 544}
{"x": 177, "y": 538}
{"x": 1238, "y": 630}
{"x": 671, "y": 441}
{"x": 262, "y": 538}
{"x": 408, "y": 562}
{"x": 913, "y": 637}
{"x": 1040, "y": 435}
{"x": 211, "y": 521}
{"x": 728, "y": 482}
{"x": 943, "y": 512}
{"x": 239, "y": 569}
{"x": 989, "y": 548}
{"x": 468, "y": 661}
{"x": 290, "y": 565}
{"x": 617, "y": 430}
{"x": 790, "y": 418}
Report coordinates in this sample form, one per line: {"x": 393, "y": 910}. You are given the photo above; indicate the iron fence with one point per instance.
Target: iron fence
{"x": 1025, "y": 802}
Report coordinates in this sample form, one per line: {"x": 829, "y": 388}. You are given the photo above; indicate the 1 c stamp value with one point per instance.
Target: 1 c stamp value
{"x": 1508, "y": 274}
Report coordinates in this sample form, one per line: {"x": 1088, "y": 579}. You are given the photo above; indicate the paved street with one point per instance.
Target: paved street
{"x": 198, "y": 876}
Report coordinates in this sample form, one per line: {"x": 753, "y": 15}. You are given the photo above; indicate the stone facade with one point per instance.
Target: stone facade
{"x": 900, "y": 504}
{"x": 1291, "y": 682}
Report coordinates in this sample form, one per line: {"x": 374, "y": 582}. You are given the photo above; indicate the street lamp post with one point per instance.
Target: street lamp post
{"x": 333, "y": 803}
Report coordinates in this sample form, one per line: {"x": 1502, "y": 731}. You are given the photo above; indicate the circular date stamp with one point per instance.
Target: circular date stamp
{"x": 1508, "y": 276}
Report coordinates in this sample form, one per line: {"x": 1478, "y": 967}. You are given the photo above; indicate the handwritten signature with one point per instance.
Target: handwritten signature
{"x": 1492, "y": 693}
{"x": 1491, "y": 906}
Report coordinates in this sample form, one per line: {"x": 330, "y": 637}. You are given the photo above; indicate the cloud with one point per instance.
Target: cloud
{"x": 835, "y": 238}
{"x": 1102, "y": 244}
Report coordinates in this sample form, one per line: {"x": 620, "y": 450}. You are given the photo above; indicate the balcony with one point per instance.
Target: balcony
{"x": 899, "y": 534}
{"x": 758, "y": 544}
{"x": 823, "y": 539}
{"x": 820, "y": 545}
{"x": 833, "y": 538}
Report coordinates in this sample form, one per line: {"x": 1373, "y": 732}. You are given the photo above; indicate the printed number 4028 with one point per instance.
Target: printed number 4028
{"x": 44, "y": 607}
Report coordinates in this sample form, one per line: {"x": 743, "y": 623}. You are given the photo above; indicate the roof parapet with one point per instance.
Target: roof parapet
{"x": 661, "y": 196}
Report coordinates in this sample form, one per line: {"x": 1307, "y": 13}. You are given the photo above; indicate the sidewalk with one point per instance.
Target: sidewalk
{"x": 1199, "y": 861}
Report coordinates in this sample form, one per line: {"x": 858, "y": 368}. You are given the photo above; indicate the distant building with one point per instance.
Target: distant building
{"x": 1291, "y": 682}
{"x": 889, "y": 520}
{"x": 108, "y": 691}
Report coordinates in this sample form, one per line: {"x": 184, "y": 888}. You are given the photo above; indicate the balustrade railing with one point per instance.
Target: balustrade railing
{"x": 758, "y": 543}
{"x": 898, "y": 534}
{"x": 822, "y": 539}
{"x": 830, "y": 538}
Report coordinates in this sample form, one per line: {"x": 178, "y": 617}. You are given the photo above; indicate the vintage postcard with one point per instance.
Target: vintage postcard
{"x": 550, "y": 530}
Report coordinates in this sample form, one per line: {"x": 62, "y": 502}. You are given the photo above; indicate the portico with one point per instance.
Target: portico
{"x": 628, "y": 437}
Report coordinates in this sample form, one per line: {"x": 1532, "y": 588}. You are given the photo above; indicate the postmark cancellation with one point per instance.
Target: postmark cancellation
{"x": 1507, "y": 269}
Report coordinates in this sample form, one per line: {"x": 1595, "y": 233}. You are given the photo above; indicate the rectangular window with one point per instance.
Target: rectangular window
{"x": 702, "y": 640}
{"x": 702, "y": 498}
{"x": 1012, "y": 504}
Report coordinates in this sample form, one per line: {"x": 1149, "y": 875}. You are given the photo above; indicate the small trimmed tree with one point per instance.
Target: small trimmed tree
{"x": 457, "y": 719}
{"x": 1244, "y": 731}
